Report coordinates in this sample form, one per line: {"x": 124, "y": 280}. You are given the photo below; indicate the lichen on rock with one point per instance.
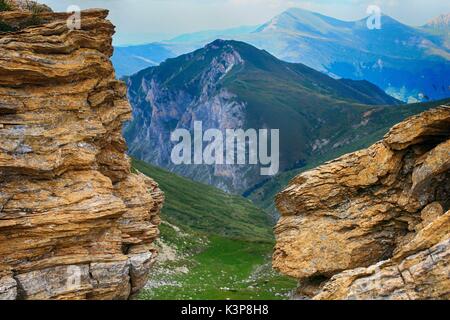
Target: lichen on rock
{"x": 75, "y": 222}
{"x": 373, "y": 224}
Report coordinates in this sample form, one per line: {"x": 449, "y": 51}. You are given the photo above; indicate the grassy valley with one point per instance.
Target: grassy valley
{"x": 213, "y": 245}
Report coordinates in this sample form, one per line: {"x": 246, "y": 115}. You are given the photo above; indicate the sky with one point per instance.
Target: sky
{"x": 143, "y": 21}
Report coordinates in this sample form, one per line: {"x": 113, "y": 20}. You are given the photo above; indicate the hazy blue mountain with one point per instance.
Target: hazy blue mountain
{"x": 128, "y": 60}
{"x": 407, "y": 62}
{"x": 212, "y": 34}
{"x": 412, "y": 64}
{"x": 439, "y": 27}
{"x": 233, "y": 85}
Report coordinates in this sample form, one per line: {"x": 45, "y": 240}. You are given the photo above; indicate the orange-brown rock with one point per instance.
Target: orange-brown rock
{"x": 75, "y": 223}
{"x": 375, "y": 223}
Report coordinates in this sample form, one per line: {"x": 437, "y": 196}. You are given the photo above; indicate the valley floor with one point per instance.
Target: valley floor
{"x": 215, "y": 268}
{"x": 213, "y": 245}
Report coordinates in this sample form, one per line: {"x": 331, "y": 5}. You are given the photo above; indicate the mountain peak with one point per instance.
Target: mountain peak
{"x": 440, "y": 22}
{"x": 230, "y": 46}
{"x": 386, "y": 20}
{"x": 220, "y": 43}
{"x": 303, "y": 21}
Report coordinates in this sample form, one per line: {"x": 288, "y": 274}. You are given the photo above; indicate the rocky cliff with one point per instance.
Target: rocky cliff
{"x": 374, "y": 224}
{"x": 75, "y": 223}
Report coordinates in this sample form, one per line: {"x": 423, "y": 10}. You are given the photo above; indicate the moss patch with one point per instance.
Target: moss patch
{"x": 4, "y": 27}
{"x": 4, "y": 6}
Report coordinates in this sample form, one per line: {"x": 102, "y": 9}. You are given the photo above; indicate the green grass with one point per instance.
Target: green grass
{"x": 226, "y": 269}
{"x": 209, "y": 210}
{"x": 224, "y": 241}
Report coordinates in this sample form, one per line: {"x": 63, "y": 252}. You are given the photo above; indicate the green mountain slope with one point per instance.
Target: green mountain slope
{"x": 233, "y": 85}
{"x": 215, "y": 246}
{"x": 207, "y": 209}
{"x": 184, "y": 72}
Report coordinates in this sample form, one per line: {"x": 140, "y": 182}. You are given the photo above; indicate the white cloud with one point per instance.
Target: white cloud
{"x": 149, "y": 19}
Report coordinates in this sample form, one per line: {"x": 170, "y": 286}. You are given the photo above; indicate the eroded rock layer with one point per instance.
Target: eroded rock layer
{"x": 374, "y": 224}
{"x": 75, "y": 223}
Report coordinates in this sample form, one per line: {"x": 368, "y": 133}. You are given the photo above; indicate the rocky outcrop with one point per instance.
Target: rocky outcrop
{"x": 374, "y": 224}
{"x": 75, "y": 222}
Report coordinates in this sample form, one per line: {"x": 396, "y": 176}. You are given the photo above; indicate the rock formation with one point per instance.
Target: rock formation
{"x": 75, "y": 223}
{"x": 374, "y": 224}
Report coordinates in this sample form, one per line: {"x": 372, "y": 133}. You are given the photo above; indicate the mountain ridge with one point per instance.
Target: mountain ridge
{"x": 440, "y": 22}
{"x": 233, "y": 85}
{"x": 409, "y": 63}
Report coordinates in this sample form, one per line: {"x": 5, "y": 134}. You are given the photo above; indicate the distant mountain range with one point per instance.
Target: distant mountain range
{"x": 410, "y": 63}
{"x": 441, "y": 22}
{"x": 233, "y": 85}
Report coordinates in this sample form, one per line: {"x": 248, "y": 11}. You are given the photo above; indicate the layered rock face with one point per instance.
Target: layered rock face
{"x": 374, "y": 224}
{"x": 75, "y": 223}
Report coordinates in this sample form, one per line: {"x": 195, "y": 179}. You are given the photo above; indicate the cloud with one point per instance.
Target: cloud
{"x": 166, "y": 18}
